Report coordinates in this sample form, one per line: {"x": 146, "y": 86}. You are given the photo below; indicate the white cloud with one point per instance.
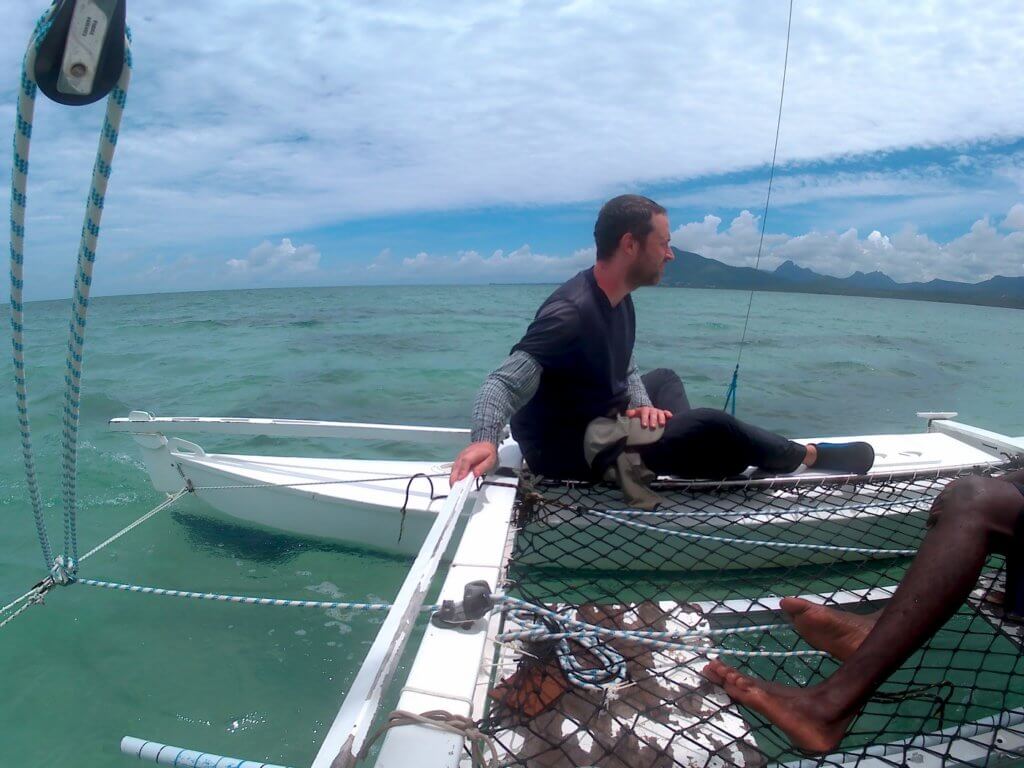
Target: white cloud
{"x": 281, "y": 260}
{"x": 381, "y": 262}
{"x": 521, "y": 264}
{"x": 271, "y": 116}
{"x": 736, "y": 244}
{"x": 1015, "y": 218}
{"x": 905, "y": 255}
{"x": 793, "y": 189}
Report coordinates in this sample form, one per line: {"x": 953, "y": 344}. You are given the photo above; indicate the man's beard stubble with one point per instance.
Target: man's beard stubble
{"x": 641, "y": 275}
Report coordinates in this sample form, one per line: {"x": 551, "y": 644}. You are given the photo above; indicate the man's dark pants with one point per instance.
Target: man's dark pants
{"x": 706, "y": 442}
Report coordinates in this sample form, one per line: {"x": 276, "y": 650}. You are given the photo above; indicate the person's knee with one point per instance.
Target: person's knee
{"x": 717, "y": 431}
{"x": 661, "y": 377}
{"x": 975, "y": 501}
{"x": 664, "y": 374}
{"x": 666, "y": 390}
{"x": 713, "y": 418}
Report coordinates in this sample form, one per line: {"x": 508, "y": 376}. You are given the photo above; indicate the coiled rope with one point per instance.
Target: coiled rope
{"x": 64, "y": 566}
{"x": 544, "y": 624}
{"x": 442, "y": 721}
{"x": 562, "y": 627}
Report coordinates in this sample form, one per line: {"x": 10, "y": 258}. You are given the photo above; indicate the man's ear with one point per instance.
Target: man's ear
{"x": 628, "y": 243}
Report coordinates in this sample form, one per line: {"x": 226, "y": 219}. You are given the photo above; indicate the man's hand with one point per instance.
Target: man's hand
{"x": 477, "y": 458}
{"x": 650, "y": 418}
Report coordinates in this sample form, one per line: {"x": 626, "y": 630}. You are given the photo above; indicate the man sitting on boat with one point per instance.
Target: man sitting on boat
{"x": 971, "y": 519}
{"x": 575, "y": 364}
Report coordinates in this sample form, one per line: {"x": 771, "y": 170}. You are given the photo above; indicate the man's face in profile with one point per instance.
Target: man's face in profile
{"x": 654, "y": 253}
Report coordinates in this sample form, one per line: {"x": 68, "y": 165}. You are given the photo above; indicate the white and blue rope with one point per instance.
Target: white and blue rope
{"x": 524, "y": 613}
{"x": 65, "y": 566}
{"x": 19, "y": 200}
{"x": 80, "y": 301}
{"x": 60, "y": 575}
{"x": 531, "y": 618}
{"x": 754, "y": 513}
{"x": 540, "y": 624}
{"x": 750, "y": 542}
{"x": 245, "y": 599}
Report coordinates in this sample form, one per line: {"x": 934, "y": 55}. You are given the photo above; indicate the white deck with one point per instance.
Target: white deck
{"x": 447, "y": 667}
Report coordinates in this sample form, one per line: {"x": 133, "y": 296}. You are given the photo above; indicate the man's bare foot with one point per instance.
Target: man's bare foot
{"x": 838, "y": 633}
{"x": 797, "y": 712}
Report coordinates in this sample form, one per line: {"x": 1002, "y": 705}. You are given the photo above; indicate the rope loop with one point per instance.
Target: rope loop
{"x": 561, "y": 626}
{"x": 63, "y": 570}
{"x": 442, "y": 720}
{"x": 610, "y": 669}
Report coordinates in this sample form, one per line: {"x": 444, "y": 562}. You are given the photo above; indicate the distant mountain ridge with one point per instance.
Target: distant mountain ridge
{"x": 691, "y": 270}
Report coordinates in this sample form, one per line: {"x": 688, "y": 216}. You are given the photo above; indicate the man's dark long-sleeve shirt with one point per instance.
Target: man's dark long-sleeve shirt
{"x": 573, "y": 364}
{"x": 511, "y": 385}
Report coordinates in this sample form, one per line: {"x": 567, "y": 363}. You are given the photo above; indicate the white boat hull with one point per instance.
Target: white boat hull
{"x": 358, "y": 502}
{"x": 353, "y": 501}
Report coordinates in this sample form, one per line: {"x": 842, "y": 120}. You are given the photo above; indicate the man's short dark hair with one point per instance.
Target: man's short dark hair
{"x": 622, "y": 214}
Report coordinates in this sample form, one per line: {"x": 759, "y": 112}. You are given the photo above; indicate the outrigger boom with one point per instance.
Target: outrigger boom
{"x": 141, "y": 422}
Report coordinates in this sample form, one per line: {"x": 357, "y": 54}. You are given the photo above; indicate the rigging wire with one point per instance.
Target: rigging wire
{"x": 730, "y": 397}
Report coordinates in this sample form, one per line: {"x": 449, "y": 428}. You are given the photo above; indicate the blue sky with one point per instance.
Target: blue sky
{"x": 303, "y": 143}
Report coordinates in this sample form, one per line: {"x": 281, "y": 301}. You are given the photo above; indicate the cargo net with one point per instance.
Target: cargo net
{"x": 600, "y": 663}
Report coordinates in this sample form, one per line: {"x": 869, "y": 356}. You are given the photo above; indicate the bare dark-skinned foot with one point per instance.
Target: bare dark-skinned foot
{"x": 838, "y": 633}
{"x": 797, "y": 712}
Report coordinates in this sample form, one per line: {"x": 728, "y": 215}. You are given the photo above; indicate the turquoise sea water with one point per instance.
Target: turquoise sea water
{"x": 91, "y": 666}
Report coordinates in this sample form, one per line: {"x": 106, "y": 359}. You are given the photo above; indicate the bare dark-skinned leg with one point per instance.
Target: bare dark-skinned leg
{"x": 837, "y": 632}
{"x": 970, "y": 519}
{"x": 1017, "y": 476}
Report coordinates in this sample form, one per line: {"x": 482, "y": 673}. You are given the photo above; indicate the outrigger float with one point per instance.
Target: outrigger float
{"x": 588, "y": 650}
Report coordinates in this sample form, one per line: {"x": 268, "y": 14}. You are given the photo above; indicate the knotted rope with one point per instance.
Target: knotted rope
{"x": 442, "y": 721}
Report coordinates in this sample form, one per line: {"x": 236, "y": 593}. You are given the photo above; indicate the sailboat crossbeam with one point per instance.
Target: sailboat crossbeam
{"x": 141, "y": 422}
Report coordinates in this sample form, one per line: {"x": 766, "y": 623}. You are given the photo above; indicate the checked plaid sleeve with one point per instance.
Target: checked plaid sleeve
{"x": 511, "y": 385}
{"x": 638, "y": 396}
{"x": 507, "y": 389}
